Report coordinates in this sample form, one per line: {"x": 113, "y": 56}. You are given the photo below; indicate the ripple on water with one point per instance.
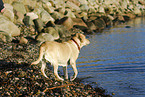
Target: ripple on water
{"x": 115, "y": 59}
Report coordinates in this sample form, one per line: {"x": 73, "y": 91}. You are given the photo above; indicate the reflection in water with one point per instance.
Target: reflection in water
{"x": 115, "y": 59}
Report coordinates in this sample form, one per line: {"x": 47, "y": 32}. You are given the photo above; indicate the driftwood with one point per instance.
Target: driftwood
{"x": 58, "y": 87}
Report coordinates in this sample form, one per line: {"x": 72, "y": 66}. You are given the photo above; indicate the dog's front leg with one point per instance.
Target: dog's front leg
{"x": 65, "y": 72}
{"x": 75, "y": 71}
{"x": 56, "y": 73}
{"x": 43, "y": 68}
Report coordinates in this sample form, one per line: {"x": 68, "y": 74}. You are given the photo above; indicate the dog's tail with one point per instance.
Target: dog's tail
{"x": 41, "y": 52}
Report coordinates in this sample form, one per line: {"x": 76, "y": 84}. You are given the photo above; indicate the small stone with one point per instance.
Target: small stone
{"x": 77, "y": 89}
{"x": 22, "y": 74}
{"x": 8, "y": 93}
{"x": 32, "y": 15}
{"x": 42, "y": 93}
{"x": 7, "y": 72}
{"x": 57, "y": 94}
{"x": 24, "y": 88}
{"x": 23, "y": 40}
{"x": 16, "y": 78}
{"x": 37, "y": 83}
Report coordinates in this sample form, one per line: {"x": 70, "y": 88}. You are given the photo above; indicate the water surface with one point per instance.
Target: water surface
{"x": 115, "y": 59}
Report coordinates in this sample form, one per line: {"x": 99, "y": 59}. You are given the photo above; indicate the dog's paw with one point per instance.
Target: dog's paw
{"x": 60, "y": 79}
{"x": 72, "y": 79}
{"x": 33, "y": 63}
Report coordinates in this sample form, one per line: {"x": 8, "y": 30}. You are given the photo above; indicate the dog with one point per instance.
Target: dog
{"x": 60, "y": 54}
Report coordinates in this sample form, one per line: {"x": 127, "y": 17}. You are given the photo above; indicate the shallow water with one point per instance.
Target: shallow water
{"x": 115, "y": 59}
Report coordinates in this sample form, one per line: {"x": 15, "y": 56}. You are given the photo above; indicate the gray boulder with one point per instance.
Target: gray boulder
{"x": 46, "y": 17}
{"x": 69, "y": 13}
{"x": 39, "y": 25}
{"x": 8, "y": 26}
{"x": 84, "y": 7}
{"x": 8, "y": 12}
{"x": 18, "y": 6}
{"x": 72, "y": 6}
{"x": 52, "y": 31}
{"x": 42, "y": 37}
{"x": 56, "y": 15}
{"x": 18, "y": 17}
{"x": 32, "y": 15}
{"x": 48, "y": 7}
{"x": 79, "y": 22}
{"x": 62, "y": 31}
{"x": 67, "y": 22}
{"x": 5, "y": 37}
{"x": 100, "y": 23}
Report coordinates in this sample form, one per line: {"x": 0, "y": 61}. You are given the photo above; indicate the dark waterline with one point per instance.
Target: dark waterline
{"x": 115, "y": 59}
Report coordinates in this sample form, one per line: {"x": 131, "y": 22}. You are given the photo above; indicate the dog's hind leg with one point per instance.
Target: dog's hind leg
{"x": 65, "y": 72}
{"x": 43, "y": 68}
{"x": 75, "y": 70}
{"x": 56, "y": 72}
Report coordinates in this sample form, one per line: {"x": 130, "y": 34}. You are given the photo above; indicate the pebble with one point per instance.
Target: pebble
{"x": 23, "y": 40}
{"x": 7, "y": 72}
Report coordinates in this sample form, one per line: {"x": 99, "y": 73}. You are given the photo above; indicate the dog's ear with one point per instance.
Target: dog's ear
{"x": 77, "y": 34}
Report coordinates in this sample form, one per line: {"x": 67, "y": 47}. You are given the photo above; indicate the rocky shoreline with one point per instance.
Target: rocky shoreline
{"x": 25, "y": 24}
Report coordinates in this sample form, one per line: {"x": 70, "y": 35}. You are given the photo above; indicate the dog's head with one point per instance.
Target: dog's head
{"x": 81, "y": 39}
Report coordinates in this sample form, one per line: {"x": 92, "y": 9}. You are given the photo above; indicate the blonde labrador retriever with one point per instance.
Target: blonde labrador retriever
{"x": 60, "y": 54}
